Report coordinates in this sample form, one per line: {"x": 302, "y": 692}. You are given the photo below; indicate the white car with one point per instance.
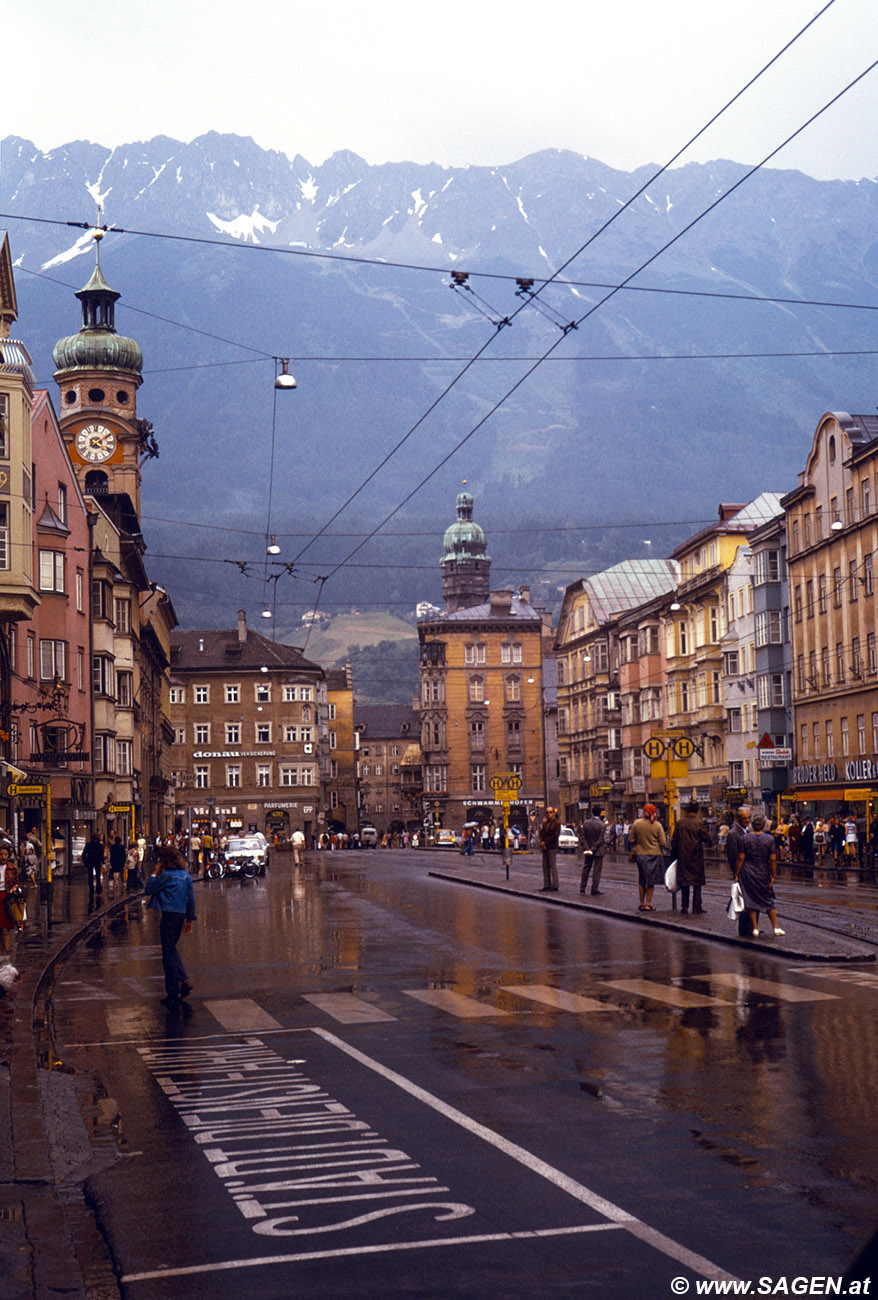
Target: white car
{"x": 568, "y": 840}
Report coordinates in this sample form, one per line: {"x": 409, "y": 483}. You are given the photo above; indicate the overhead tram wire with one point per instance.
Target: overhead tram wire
{"x": 523, "y": 378}
{"x": 529, "y": 300}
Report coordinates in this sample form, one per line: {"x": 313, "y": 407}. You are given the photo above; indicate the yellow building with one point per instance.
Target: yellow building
{"x": 481, "y": 689}
{"x": 832, "y": 539}
{"x": 341, "y": 777}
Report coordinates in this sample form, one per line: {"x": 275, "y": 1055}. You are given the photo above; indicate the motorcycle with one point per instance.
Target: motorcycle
{"x": 221, "y": 866}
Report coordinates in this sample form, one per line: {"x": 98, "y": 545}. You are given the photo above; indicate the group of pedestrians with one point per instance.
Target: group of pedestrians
{"x": 124, "y": 862}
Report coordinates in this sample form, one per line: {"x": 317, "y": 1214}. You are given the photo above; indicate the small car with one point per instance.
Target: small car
{"x": 368, "y": 837}
{"x": 568, "y": 840}
{"x": 447, "y": 839}
{"x": 247, "y": 850}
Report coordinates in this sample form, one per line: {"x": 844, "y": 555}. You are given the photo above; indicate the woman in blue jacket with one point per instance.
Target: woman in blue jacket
{"x": 170, "y": 892}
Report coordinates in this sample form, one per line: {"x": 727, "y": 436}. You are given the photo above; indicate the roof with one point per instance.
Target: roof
{"x": 757, "y": 512}
{"x": 519, "y": 609}
{"x": 385, "y": 721}
{"x": 212, "y": 651}
{"x": 629, "y": 584}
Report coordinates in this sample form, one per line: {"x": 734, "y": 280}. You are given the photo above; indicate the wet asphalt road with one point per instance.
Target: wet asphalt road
{"x": 386, "y": 1084}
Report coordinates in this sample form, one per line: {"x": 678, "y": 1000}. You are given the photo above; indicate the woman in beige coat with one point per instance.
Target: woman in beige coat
{"x": 648, "y": 843}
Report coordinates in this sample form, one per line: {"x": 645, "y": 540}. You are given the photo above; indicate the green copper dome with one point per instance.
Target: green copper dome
{"x": 97, "y": 346}
{"x": 464, "y": 540}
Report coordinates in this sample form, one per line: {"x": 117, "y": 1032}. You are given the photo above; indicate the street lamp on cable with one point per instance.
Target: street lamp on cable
{"x": 284, "y": 379}
{"x": 272, "y": 548}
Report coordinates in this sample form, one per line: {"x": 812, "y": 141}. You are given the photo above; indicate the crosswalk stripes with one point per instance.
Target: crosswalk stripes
{"x": 773, "y": 989}
{"x": 458, "y": 1004}
{"x": 238, "y": 1014}
{"x": 347, "y": 1009}
{"x": 559, "y": 999}
{"x": 667, "y": 993}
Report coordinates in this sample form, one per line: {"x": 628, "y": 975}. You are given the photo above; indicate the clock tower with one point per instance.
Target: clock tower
{"x": 98, "y": 374}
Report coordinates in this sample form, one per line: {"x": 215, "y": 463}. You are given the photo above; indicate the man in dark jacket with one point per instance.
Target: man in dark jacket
{"x": 593, "y": 839}
{"x": 689, "y": 840}
{"x": 93, "y": 860}
{"x": 550, "y": 831}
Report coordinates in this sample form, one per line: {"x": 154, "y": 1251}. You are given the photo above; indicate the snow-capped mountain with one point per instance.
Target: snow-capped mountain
{"x": 657, "y": 406}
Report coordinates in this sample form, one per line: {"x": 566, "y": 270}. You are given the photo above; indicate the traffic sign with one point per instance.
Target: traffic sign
{"x": 505, "y": 781}
{"x": 118, "y": 807}
{"x": 12, "y": 789}
{"x": 654, "y": 748}
{"x": 683, "y": 747}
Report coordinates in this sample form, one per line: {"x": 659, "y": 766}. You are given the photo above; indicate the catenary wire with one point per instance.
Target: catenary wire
{"x": 514, "y": 388}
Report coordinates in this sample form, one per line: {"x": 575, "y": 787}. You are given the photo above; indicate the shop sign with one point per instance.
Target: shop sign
{"x": 861, "y": 769}
{"x": 815, "y": 774}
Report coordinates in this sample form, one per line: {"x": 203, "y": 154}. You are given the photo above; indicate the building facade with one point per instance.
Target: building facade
{"x": 245, "y": 714}
{"x": 386, "y": 734}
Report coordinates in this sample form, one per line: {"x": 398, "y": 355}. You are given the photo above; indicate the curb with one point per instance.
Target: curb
{"x": 785, "y": 950}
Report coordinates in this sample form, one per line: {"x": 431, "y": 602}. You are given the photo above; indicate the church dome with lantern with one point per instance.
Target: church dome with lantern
{"x": 97, "y": 346}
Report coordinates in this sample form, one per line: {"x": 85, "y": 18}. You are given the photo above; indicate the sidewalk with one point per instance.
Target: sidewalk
{"x": 821, "y": 940}
{"x": 37, "y": 1254}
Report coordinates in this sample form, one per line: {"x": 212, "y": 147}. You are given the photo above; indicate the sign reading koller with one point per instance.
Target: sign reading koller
{"x": 855, "y": 769}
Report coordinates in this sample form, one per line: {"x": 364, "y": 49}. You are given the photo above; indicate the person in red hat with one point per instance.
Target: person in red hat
{"x": 648, "y": 842}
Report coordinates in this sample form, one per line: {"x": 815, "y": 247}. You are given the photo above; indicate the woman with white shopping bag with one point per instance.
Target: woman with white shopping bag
{"x": 688, "y": 843}
{"x": 757, "y": 866}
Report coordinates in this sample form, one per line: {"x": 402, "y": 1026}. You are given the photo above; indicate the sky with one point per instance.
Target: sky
{"x": 481, "y": 82}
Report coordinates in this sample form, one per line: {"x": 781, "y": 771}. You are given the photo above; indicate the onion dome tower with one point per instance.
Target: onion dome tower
{"x": 98, "y": 373}
{"x": 466, "y": 565}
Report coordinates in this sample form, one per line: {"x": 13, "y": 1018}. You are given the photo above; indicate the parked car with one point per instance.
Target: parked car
{"x": 446, "y": 839}
{"x": 568, "y": 840}
{"x": 247, "y": 851}
{"x": 368, "y": 837}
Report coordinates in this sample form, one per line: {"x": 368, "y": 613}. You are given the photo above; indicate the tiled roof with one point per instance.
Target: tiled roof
{"x": 519, "y": 609}
{"x": 381, "y": 721}
{"x": 212, "y": 650}
{"x": 629, "y": 584}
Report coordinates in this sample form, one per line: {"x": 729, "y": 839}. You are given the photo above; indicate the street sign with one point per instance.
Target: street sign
{"x": 119, "y": 807}
{"x": 654, "y": 748}
{"x": 778, "y": 754}
{"x": 505, "y": 781}
{"x": 683, "y": 747}
{"x": 12, "y": 789}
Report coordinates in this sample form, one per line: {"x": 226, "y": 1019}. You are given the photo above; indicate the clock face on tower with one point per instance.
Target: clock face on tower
{"x": 95, "y": 443}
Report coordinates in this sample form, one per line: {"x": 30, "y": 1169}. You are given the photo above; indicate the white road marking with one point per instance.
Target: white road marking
{"x": 346, "y": 1008}
{"x": 303, "y": 1256}
{"x": 665, "y": 993}
{"x": 557, "y": 998}
{"x": 774, "y": 989}
{"x": 863, "y": 979}
{"x": 616, "y": 1215}
{"x": 241, "y": 1014}
{"x": 456, "y": 1004}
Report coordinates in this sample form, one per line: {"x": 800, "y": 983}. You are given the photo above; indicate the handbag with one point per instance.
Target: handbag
{"x": 15, "y": 906}
{"x": 736, "y": 902}
{"x": 671, "y": 877}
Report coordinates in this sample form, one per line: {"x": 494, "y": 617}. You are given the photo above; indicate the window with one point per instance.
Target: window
{"x": 263, "y": 774}
{"x": 379, "y": 769}
{"x": 800, "y": 674}
{"x": 510, "y": 654}
{"x": 104, "y": 753}
{"x": 824, "y": 666}
{"x": 290, "y": 776}
{"x": 473, "y": 654}
{"x": 736, "y": 773}
{"x": 4, "y": 535}
{"x": 263, "y": 693}
{"x": 4, "y": 426}
{"x": 735, "y": 720}
{"x": 770, "y": 690}
{"x": 476, "y": 690}
{"x": 854, "y": 592}
{"x": 179, "y": 736}
{"x": 125, "y": 690}
{"x": 797, "y": 604}
{"x": 830, "y": 743}
{"x": 803, "y": 743}
{"x": 101, "y": 596}
{"x": 80, "y": 596}
{"x": 31, "y": 655}
{"x": 233, "y": 733}
{"x": 839, "y": 662}
{"x": 713, "y": 622}
{"x": 202, "y": 733}
{"x": 52, "y": 571}
{"x": 856, "y": 658}
{"x": 123, "y": 758}
{"x": 263, "y": 733}
{"x": 871, "y": 658}
{"x": 232, "y": 693}
{"x": 122, "y": 615}
{"x": 513, "y": 689}
{"x": 477, "y": 735}
{"x": 730, "y": 663}
{"x": 861, "y": 733}
{"x": 845, "y": 738}
{"x": 202, "y": 694}
{"x": 202, "y": 778}
{"x": 821, "y": 593}
{"x": 331, "y": 713}
{"x": 865, "y": 498}
{"x": 53, "y": 662}
{"x": 477, "y": 777}
{"x": 809, "y": 598}
{"x": 836, "y": 587}
{"x": 178, "y": 694}
{"x": 768, "y": 628}
{"x": 868, "y": 583}
{"x": 233, "y": 775}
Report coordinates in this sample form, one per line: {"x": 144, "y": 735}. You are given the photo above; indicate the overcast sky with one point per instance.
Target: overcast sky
{"x": 454, "y": 82}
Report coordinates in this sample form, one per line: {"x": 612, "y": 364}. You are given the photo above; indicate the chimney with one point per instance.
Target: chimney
{"x": 524, "y": 595}
{"x": 242, "y": 626}
{"x": 501, "y": 602}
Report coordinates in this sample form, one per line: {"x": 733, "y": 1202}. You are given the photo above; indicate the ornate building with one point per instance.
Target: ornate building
{"x": 481, "y": 669}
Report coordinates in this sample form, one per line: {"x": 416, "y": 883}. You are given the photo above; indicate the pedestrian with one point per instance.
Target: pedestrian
{"x": 648, "y": 842}
{"x": 133, "y": 871}
{"x": 756, "y": 870}
{"x": 93, "y": 861}
{"x": 8, "y": 890}
{"x": 794, "y": 836}
{"x": 850, "y": 837}
{"x": 468, "y": 846}
{"x": 808, "y": 841}
{"x": 835, "y": 835}
{"x": 820, "y": 840}
{"x": 170, "y": 892}
{"x": 862, "y": 841}
{"x": 739, "y": 828}
{"x": 688, "y": 843}
{"x": 593, "y": 837}
{"x": 29, "y": 860}
{"x": 298, "y": 843}
{"x": 118, "y": 854}
{"x": 549, "y": 833}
